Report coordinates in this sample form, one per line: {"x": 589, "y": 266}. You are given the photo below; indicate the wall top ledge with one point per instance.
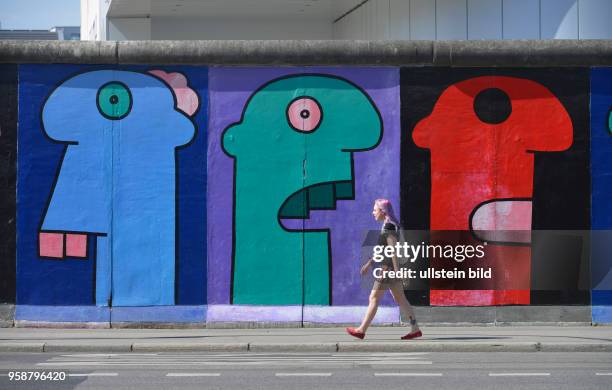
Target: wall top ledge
{"x": 508, "y": 53}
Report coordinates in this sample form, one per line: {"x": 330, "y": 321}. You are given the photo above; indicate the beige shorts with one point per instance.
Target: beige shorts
{"x": 385, "y": 283}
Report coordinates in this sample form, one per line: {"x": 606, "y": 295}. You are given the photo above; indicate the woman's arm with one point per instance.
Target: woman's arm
{"x": 391, "y": 241}
{"x": 365, "y": 267}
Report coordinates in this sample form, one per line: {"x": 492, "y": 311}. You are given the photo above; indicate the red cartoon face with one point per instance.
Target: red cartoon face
{"x": 475, "y": 160}
{"x": 482, "y": 134}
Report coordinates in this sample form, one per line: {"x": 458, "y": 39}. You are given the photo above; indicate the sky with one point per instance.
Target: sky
{"x": 39, "y": 14}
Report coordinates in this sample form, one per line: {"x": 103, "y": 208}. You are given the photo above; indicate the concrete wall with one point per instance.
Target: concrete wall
{"x": 477, "y": 19}
{"x": 164, "y": 28}
{"x": 354, "y": 19}
{"x": 93, "y": 19}
{"x": 129, "y": 29}
{"x": 167, "y": 28}
{"x": 195, "y": 193}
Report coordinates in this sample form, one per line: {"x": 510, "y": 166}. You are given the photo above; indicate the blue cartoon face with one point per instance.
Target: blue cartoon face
{"x": 86, "y": 107}
{"x": 117, "y": 179}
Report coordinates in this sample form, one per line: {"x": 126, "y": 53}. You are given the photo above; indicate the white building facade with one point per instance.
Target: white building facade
{"x": 345, "y": 19}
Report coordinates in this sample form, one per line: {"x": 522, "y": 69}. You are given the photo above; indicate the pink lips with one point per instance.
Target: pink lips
{"x": 503, "y": 221}
{"x": 52, "y": 245}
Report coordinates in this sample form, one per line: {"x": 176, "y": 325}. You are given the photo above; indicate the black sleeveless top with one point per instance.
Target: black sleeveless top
{"x": 389, "y": 229}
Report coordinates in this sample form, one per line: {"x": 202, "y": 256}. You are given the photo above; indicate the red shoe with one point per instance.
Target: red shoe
{"x": 412, "y": 335}
{"x": 355, "y": 333}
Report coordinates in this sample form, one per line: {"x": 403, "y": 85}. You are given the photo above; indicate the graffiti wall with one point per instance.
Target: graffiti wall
{"x": 112, "y": 202}
{"x": 601, "y": 152}
{"x": 503, "y": 150}
{"x": 222, "y": 194}
{"x": 299, "y": 155}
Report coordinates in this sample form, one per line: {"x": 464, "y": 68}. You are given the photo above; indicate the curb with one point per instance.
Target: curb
{"x": 381, "y": 347}
{"x": 436, "y": 347}
{"x": 80, "y": 347}
{"x": 189, "y": 347}
{"x": 285, "y": 347}
{"x": 22, "y": 347}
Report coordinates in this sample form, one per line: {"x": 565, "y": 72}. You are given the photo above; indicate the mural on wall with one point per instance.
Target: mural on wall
{"x": 114, "y": 194}
{"x": 134, "y": 191}
{"x": 302, "y": 154}
{"x": 484, "y": 134}
{"x": 305, "y": 129}
{"x": 601, "y": 152}
{"x": 8, "y": 173}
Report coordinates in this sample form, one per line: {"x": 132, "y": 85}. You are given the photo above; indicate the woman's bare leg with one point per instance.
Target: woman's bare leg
{"x": 375, "y": 297}
{"x": 397, "y": 291}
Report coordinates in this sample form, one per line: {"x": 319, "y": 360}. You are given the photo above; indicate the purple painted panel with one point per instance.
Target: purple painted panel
{"x": 349, "y": 314}
{"x": 376, "y": 176}
{"x": 238, "y": 313}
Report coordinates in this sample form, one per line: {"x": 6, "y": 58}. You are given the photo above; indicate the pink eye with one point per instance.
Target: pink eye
{"x": 304, "y": 114}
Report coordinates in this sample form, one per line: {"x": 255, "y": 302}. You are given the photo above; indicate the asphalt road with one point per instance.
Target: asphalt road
{"x": 534, "y": 370}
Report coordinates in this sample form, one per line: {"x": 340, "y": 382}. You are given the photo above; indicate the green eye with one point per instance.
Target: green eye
{"x": 114, "y": 100}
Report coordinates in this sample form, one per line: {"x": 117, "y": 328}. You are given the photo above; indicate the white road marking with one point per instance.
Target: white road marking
{"x": 292, "y": 374}
{"x": 407, "y": 374}
{"x": 94, "y": 355}
{"x": 603, "y": 373}
{"x": 170, "y": 363}
{"x": 188, "y": 374}
{"x": 397, "y": 362}
{"x": 96, "y": 374}
{"x": 255, "y": 360}
{"x": 519, "y": 374}
{"x": 185, "y": 358}
{"x": 378, "y": 354}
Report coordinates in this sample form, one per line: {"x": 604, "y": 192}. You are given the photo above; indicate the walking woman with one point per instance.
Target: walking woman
{"x": 389, "y": 235}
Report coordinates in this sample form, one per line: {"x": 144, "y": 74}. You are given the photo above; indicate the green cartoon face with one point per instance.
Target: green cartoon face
{"x": 303, "y": 129}
{"x": 293, "y": 153}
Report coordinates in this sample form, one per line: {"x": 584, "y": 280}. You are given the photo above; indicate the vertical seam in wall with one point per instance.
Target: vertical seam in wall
{"x": 409, "y": 19}
{"x": 389, "y": 20}
{"x": 467, "y": 19}
{"x": 436, "y": 20}
{"x": 17, "y": 126}
{"x": 502, "y": 20}
{"x": 539, "y": 19}
{"x": 578, "y": 18}
{"x": 373, "y": 14}
{"x": 367, "y": 18}
{"x": 374, "y": 19}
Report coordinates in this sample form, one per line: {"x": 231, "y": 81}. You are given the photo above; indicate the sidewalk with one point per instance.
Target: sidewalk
{"x": 379, "y": 339}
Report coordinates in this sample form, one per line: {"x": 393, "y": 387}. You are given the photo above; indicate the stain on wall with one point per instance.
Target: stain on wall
{"x": 8, "y": 174}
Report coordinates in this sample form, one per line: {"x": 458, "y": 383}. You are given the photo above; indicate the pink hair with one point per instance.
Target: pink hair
{"x": 385, "y": 206}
